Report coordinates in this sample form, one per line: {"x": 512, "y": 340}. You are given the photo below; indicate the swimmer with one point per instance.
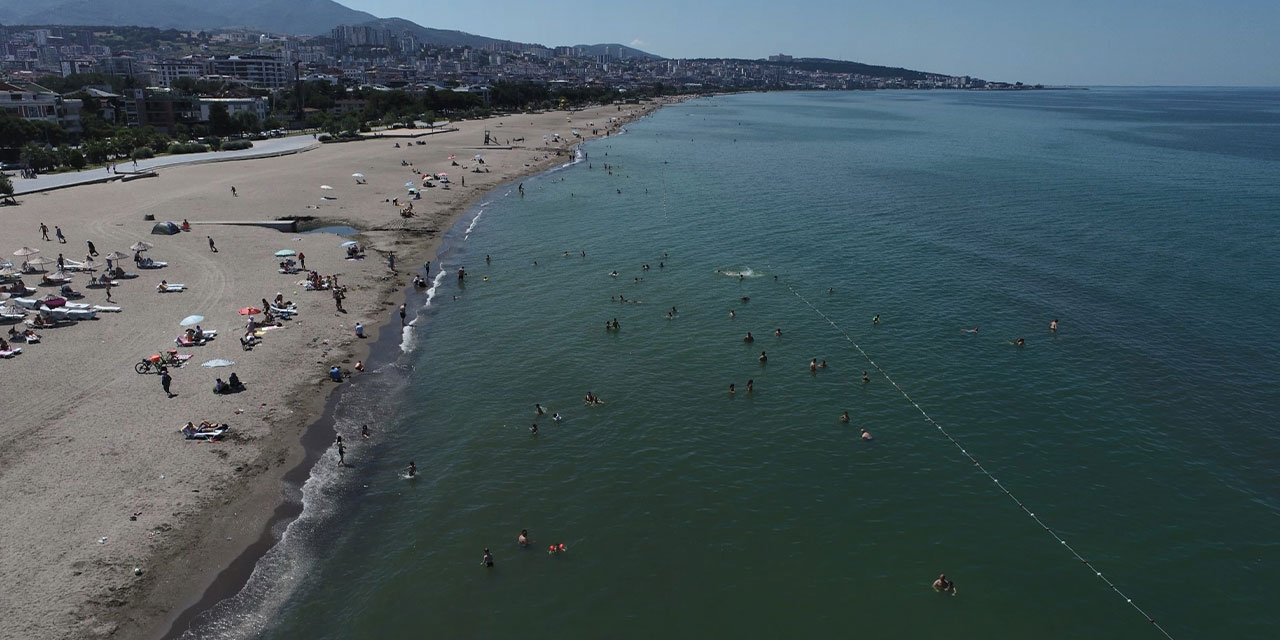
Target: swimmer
{"x": 813, "y": 365}
{"x": 537, "y": 407}
{"x": 487, "y": 559}
{"x": 865, "y": 378}
{"x": 822, "y": 365}
{"x": 748, "y": 338}
{"x": 673, "y": 310}
{"x": 1053, "y": 326}
{"x": 523, "y": 538}
{"x": 732, "y": 314}
{"x": 534, "y": 429}
{"x": 668, "y": 315}
{"x": 778, "y": 332}
{"x": 364, "y": 431}
{"x": 614, "y": 274}
{"x": 973, "y": 330}
{"x": 831, "y": 290}
{"x": 751, "y": 385}
{"x": 359, "y": 365}
{"x": 866, "y": 435}
{"x": 943, "y": 585}
{"x": 731, "y": 389}
{"x": 412, "y": 470}
{"x": 1020, "y": 342}
{"x": 763, "y": 358}
{"x": 746, "y": 298}
{"x": 557, "y": 417}
{"x": 486, "y": 259}
{"x": 844, "y": 417}
{"x": 876, "y": 320}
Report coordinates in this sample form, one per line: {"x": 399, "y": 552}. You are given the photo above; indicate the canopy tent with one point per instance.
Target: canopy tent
{"x": 165, "y": 229}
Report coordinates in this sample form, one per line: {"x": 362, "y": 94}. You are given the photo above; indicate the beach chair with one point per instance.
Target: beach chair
{"x": 284, "y": 312}
{"x": 105, "y": 309}
{"x": 148, "y": 263}
{"x": 171, "y": 288}
{"x": 182, "y": 341}
{"x": 13, "y": 351}
{"x": 191, "y": 433}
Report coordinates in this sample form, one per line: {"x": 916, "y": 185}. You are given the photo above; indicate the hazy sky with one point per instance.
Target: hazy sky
{"x": 1131, "y": 42}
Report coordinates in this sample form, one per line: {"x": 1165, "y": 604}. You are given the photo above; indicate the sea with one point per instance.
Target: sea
{"x": 1114, "y": 479}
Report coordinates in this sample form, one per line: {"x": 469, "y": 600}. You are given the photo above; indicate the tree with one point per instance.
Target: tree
{"x": 246, "y": 122}
{"x": 97, "y": 152}
{"x": 220, "y": 122}
{"x": 6, "y": 188}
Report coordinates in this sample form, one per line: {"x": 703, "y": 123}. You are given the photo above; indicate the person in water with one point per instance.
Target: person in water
{"x": 557, "y": 417}
{"x": 538, "y": 407}
{"x": 822, "y": 365}
{"x": 943, "y": 585}
{"x": 751, "y": 385}
{"x": 413, "y": 469}
{"x": 876, "y": 320}
{"x": 763, "y": 358}
{"x": 778, "y": 332}
{"x": 534, "y": 429}
{"x": 364, "y": 431}
{"x": 731, "y": 389}
{"x": 731, "y": 313}
{"x": 1020, "y": 342}
{"x": 523, "y": 538}
{"x": 749, "y": 337}
{"x": 1053, "y": 326}
{"x": 844, "y": 417}
{"x": 865, "y": 378}
{"x": 813, "y": 365}
{"x": 866, "y": 435}
{"x": 487, "y": 559}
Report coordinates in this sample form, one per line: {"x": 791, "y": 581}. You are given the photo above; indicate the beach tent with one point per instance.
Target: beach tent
{"x": 165, "y": 229}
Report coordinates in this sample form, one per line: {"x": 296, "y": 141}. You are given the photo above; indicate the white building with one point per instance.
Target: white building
{"x": 256, "y": 71}
{"x": 258, "y": 106}
{"x": 165, "y": 72}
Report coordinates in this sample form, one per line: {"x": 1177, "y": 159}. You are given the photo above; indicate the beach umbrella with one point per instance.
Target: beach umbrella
{"x": 40, "y": 262}
{"x": 248, "y": 311}
{"x": 284, "y": 253}
{"x": 218, "y": 362}
{"x": 357, "y": 175}
{"x": 116, "y": 255}
{"x": 191, "y": 320}
{"x": 478, "y": 157}
{"x": 326, "y": 187}
{"x": 11, "y": 308}
{"x": 408, "y": 184}
{"x": 90, "y": 265}
{"x": 348, "y": 243}
{"x": 8, "y": 270}
{"x": 61, "y": 274}
{"x": 26, "y": 251}
{"x": 140, "y": 246}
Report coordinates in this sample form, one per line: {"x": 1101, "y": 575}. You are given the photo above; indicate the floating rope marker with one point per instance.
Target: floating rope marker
{"x": 964, "y": 452}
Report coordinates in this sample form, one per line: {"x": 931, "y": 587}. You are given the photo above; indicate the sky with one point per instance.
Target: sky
{"x": 1060, "y": 42}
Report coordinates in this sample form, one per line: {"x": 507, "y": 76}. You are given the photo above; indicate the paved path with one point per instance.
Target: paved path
{"x": 260, "y": 149}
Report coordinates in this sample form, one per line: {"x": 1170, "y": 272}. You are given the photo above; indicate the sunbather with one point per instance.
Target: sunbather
{"x": 234, "y": 383}
{"x": 163, "y": 286}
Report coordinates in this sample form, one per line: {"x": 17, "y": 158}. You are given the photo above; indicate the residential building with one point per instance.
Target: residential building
{"x": 256, "y": 71}
{"x": 258, "y": 106}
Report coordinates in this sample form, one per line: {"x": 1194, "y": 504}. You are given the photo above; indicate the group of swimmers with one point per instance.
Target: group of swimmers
{"x": 486, "y": 559}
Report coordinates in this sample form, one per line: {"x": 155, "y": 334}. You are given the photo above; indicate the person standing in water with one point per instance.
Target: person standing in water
{"x": 403, "y": 313}
{"x": 413, "y": 469}
{"x": 523, "y": 538}
{"x": 534, "y": 429}
{"x": 487, "y": 559}
{"x": 943, "y": 585}
{"x": 1053, "y": 326}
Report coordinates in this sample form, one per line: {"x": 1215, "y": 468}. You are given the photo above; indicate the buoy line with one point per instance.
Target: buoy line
{"x": 980, "y": 467}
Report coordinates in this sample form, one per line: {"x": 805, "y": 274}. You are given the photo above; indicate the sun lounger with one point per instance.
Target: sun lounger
{"x": 182, "y": 341}
{"x": 285, "y": 311}
{"x": 105, "y": 309}
{"x": 13, "y": 351}
{"x": 54, "y": 281}
{"x": 11, "y": 317}
{"x": 26, "y": 291}
{"x": 195, "y": 434}
{"x": 66, "y": 313}
{"x": 171, "y": 288}
{"x": 153, "y": 264}
{"x": 27, "y": 303}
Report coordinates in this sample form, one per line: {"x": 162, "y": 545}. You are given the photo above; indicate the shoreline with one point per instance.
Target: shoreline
{"x": 276, "y": 500}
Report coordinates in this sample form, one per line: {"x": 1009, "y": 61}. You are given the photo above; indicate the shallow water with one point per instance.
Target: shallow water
{"x": 1142, "y": 432}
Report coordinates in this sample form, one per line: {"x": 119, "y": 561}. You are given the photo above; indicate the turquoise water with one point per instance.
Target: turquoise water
{"x": 1143, "y": 432}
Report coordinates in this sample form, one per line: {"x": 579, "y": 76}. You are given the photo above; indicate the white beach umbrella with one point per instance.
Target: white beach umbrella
{"x": 348, "y": 243}
{"x": 357, "y": 175}
{"x": 26, "y": 251}
{"x": 116, "y": 255}
{"x": 191, "y": 321}
{"x": 8, "y": 270}
{"x": 40, "y": 262}
{"x": 140, "y": 245}
{"x": 326, "y": 187}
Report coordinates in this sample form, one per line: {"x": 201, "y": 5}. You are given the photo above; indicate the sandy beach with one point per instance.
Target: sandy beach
{"x": 98, "y": 479}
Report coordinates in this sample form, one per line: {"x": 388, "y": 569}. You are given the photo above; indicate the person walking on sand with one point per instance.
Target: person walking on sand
{"x": 44, "y": 231}
{"x": 211, "y": 247}
{"x": 93, "y": 251}
{"x": 57, "y": 231}
{"x": 403, "y": 312}
{"x": 233, "y": 193}
{"x": 107, "y": 286}
{"x": 165, "y": 381}
{"x": 302, "y": 260}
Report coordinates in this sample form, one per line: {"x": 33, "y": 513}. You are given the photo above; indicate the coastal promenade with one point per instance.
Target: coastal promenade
{"x": 261, "y": 149}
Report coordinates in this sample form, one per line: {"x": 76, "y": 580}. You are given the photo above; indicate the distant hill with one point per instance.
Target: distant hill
{"x": 619, "y": 50}
{"x": 301, "y": 17}
{"x": 281, "y": 16}
{"x": 843, "y": 66}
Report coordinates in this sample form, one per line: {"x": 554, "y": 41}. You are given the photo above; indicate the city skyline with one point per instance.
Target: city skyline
{"x": 1084, "y": 43}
